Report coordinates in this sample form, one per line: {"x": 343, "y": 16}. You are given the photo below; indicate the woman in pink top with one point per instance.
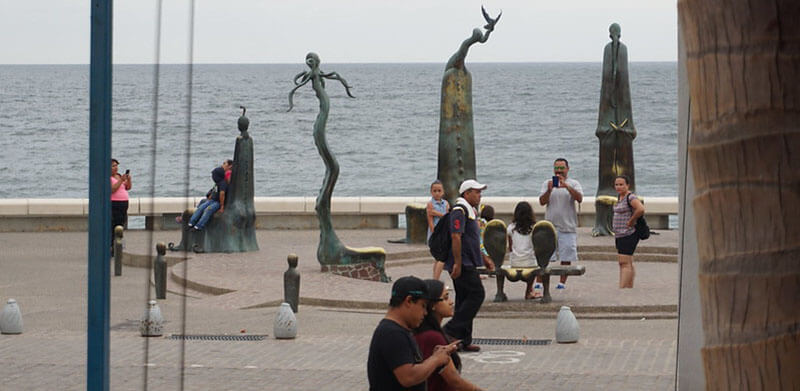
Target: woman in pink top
{"x": 120, "y": 184}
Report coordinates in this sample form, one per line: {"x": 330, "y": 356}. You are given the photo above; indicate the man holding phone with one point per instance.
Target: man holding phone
{"x": 559, "y": 194}
{"x": 395, "y": 361}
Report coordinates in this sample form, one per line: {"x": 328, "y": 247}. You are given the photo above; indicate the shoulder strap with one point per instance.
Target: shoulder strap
{"x": 628, "y": 198}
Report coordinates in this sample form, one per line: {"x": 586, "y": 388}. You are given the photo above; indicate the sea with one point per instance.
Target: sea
{"x": 172, "y": 124}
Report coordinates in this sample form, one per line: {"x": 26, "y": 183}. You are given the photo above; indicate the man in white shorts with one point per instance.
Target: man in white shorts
{"x": 560, "y": 200}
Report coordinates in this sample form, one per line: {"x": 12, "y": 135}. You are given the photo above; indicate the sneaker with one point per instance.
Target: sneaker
{"x": 561, "y": 286}
{"x": 537, "y": 286}
{"x": 190, "y": 225}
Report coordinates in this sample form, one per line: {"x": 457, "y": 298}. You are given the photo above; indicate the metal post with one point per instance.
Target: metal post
{"x": 160, "y": 271}
{"x": 118, "y": 232}
{"x": 99, "y": 196}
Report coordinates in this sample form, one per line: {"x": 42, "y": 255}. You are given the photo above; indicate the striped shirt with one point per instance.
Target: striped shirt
{"x": 623, "y": 213}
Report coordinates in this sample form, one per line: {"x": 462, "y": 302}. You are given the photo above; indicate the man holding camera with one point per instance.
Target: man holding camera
{"x": 559, "y": 194}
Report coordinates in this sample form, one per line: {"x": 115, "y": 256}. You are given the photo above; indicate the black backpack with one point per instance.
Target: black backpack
{"x": 642, "y": 229}
{"x": 440, "y": 242}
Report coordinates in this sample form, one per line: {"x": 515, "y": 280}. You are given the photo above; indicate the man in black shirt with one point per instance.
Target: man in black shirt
{"x": 463, "y": 262}
{"x": 395, "y": 362}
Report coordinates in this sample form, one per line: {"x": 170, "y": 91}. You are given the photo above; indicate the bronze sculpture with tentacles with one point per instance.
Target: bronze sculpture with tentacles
{"x": 331, "y": 251}
{"x": 456, "y": 133}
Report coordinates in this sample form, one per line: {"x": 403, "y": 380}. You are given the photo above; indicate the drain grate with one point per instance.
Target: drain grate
{"x": 224, "y": 337}
{"x": 510, "y": 341}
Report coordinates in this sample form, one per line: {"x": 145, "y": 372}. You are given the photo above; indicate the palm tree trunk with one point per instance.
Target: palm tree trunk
{"x": 743, "y": 64}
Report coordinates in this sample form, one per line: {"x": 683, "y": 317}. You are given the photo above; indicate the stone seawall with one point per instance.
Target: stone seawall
{"x": 71, "y": 214}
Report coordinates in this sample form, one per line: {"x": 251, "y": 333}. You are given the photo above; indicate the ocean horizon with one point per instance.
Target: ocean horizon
{"x": 526, "y": 114}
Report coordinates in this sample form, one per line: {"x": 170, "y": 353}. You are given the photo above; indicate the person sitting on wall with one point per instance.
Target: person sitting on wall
{"x": 215, "y": 198}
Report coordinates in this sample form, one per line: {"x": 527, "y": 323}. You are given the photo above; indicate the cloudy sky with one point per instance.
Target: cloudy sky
{"x": 272, "y": 31}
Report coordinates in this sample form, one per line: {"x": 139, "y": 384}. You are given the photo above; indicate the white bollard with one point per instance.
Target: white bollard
{"x": 11, "y": 318}
{"x": 285, "y": 323}
{"x": 152, "y": 322}
{"x": 567, "y": 329}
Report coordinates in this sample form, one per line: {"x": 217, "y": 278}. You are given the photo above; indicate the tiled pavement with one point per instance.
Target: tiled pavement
{"x": 46, "y": 273}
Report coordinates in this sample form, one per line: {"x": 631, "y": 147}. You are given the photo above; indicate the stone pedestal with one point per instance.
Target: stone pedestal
{"x": 11, "y": 318}
{"x": 152, "y": 323}
{"x": 567, "y": 329}
{"x": 285, "y": 326}
{"x": 416, "y": 223}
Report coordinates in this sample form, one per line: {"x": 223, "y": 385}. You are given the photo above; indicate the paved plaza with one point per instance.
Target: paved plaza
{"x": 628, "y": 338}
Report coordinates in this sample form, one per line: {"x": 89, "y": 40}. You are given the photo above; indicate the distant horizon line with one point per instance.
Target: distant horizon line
{"x": 334, "y": 62}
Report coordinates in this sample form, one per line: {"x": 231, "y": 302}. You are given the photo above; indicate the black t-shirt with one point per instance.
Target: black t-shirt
{"x": 470, "y": 240}
{"x": 220, "y": 186}
{"x": 391, "y": 346}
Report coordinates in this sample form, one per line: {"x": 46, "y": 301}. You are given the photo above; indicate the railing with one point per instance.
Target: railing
{"x": 70, "y": 214}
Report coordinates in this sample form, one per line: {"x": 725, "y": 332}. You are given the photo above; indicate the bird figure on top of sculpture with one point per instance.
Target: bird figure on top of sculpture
{"x": 456, "y": 133}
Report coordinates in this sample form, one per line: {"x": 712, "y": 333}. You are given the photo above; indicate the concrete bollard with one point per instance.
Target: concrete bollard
{"x": 416, "y": 223}
{"x": 285, "y": 326}
{"x": 291, "y": 283}
{"x": 152, "y": 323}
{"x": 160, "y": 271}
{"x": 118, "y": 231}
{"x": 11, "y": 318}
{"x": 567, "y": 329}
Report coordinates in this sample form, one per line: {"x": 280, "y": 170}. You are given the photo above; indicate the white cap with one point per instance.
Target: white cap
{"x": 470, "y": 184}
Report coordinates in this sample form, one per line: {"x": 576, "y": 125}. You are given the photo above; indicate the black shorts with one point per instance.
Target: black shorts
{"x": 626, "y": 245}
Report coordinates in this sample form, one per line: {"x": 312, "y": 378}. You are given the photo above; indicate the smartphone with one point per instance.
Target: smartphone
{"x": 555, "y": 181}
{"x": 127, "y": 172}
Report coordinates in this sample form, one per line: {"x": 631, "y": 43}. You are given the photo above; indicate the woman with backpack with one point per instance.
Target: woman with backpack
{"x": 627, "y": 210}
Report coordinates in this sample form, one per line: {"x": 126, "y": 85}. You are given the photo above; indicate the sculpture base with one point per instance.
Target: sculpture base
{"x": 369, "y": 271}
{"x": 220, "y": 236}
{"x": 604, "y": 215}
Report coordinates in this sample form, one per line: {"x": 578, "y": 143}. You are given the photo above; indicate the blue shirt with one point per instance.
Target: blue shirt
{"x": 470, "y": 240}
{"x": 441, "y": 207}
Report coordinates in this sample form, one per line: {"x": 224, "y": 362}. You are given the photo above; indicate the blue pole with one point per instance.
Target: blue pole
{"x": 99, "y": 197}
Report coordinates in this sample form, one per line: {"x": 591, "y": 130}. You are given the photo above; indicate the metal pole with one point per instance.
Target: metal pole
{"x": 99, "y": 196}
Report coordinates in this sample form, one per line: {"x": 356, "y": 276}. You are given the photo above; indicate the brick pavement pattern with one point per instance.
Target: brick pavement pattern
{"x": 46, "y": 273}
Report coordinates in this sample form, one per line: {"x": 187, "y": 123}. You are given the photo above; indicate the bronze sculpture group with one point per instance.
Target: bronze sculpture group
{"x": 234, "y": 230}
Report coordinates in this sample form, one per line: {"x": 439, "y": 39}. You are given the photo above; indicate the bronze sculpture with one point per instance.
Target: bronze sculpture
{"x": 233, "y": 230}
{"x": 615, "y": 130}
{"x": 331, "y": 251}
{"x": 456, "y": 134}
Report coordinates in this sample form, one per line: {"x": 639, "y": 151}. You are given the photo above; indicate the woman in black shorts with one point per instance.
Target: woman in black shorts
{"x": 626, "y": 211}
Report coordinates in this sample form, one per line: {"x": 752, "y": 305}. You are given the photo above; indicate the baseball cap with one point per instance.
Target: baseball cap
{"x": 470, "y": 184}
{"x": 410, "y": 286}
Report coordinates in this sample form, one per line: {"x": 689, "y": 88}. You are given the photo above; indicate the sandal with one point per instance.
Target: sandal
{"x": 532, "y": 295}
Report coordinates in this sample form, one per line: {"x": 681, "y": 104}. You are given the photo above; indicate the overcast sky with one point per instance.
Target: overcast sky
{"x": 272, "y": 31}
